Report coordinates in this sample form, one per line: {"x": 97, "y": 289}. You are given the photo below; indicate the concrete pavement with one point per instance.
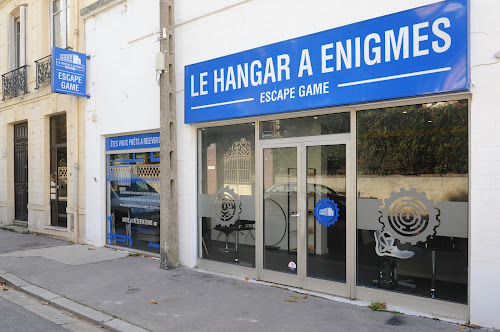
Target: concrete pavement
{"x": 117, "y": 290}
{"x": 20, "y": 313}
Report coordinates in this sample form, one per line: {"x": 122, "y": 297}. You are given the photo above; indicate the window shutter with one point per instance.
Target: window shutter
{"x": 22, "y": 19}
{"x": 12, "y": 43}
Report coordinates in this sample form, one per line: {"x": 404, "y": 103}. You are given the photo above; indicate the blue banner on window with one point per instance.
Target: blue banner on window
{"x": 68, "y": 74}
{"x": 140, "y": 141}
{"x": 411, "y": 53}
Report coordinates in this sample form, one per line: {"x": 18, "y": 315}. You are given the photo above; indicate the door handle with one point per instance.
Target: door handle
{"x": 297, "y": 214}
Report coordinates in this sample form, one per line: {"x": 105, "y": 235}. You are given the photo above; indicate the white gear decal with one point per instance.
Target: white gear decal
{"x": 226, "y": 207}
{"x": 409, "y": 216}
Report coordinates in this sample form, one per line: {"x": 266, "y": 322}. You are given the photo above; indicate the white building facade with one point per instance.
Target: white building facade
{"x": 371, "y": 194}
{"x": 122, "y": 124}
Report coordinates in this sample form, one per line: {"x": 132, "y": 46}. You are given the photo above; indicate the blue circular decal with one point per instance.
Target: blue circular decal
{"x": 326, "y": 212}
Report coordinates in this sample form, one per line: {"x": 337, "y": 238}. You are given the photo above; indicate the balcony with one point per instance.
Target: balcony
{"x": 43, "y": 72}
{"x": 15, "y": 83}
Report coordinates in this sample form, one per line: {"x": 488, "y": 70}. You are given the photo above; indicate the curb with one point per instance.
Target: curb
{"x": 95, "y": 316}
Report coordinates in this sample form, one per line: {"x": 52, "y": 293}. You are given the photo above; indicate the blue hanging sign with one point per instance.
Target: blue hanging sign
{"x": 68, "y": 72}
{"x": 139, "y": 141}
{"x": 411, "y": 53}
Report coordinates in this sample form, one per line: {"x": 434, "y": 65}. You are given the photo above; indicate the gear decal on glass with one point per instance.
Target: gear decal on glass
{"x": 326, "y": 212}
{"x": 409, "y": 216}
{"x": 226, "y": 207}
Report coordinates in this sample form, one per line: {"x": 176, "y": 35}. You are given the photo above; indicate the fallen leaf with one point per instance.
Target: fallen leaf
{"x": 304, "y": 297}
{"x": 45, "y": 303}
{"x": 462, "y": 326}
{"x": 274, "y": 285}
{"x": 79, "y": 318}
{"x": 246, "y": 278}
{"x": 154, "y": 302}
{"x": 473, "y": 326}
{"x": 91, "y": 248}
{"x": 4, "y": 289}
{"x": 290, "y": 301}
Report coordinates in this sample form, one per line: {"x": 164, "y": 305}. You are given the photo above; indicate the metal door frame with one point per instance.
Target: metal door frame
{"x": 53, "y": 149}
{"x": 23, "y": 142}
{"x": 301, "y": 280}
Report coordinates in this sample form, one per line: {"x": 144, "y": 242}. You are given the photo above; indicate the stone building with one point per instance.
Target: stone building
{"x": 41, "y": 133}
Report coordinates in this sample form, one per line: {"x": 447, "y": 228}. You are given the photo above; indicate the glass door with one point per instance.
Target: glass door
{"x": 281, "y": 214}
{"x": 327, "y": 217}
{"x": 305, "y": 214}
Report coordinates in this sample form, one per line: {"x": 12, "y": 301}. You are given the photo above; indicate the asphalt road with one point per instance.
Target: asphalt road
{"x": 14, "y": 318}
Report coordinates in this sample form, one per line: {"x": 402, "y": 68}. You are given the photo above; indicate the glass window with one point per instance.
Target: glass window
{"x": 412, "y": 199}
{"x": 134, "y": 201}
{"x": 17, "y": 25}
{"x": 60, "y": 22}
{"x": 226, "y": 199}
{"x": 308, "y": 126}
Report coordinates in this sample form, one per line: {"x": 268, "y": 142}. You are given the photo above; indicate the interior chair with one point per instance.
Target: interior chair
{"x": 385, "y": 247}
{"x": 226, "y": 230}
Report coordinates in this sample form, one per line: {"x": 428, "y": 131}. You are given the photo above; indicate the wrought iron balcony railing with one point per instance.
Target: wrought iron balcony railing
{"x": 43, "y": 71}
{"x": 15, "y": 83}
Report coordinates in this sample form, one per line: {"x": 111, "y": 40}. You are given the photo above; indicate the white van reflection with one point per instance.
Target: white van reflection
{"x": 318, "y": 190}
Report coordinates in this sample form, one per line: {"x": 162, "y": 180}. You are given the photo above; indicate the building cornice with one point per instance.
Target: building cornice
{"x": 97, "y": 7}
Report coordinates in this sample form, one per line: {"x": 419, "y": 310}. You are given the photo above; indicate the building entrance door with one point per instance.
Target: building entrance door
{"x": 306, "y": 220}
{"x": 58, "y": 171}
{"x": 21, "y": 171}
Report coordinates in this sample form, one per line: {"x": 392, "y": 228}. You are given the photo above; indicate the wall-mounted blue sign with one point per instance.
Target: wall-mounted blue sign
{"x": 140, "y": 141}
{"x": 68, "y": 72}
{"x": 411, "y": 53}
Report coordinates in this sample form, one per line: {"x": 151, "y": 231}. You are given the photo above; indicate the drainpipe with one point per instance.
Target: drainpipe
{"x": 76, "y": 168}
{"x": 76, "y": 108}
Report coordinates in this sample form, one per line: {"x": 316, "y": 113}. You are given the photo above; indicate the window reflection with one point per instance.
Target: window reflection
{"x": 307, "y": 126}
{"x": 226, "y": 201}
{"x": 412, "y": 199}
{"x": 134, "y": 201}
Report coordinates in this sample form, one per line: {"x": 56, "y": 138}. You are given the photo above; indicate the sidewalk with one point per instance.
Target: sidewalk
{"x": 116, "y": 290}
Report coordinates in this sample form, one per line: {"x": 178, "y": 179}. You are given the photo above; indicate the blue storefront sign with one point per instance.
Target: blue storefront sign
{"x": 68, "y": 72}
{"x": 128, "y": 142}
{"x": 411, "y": 53}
